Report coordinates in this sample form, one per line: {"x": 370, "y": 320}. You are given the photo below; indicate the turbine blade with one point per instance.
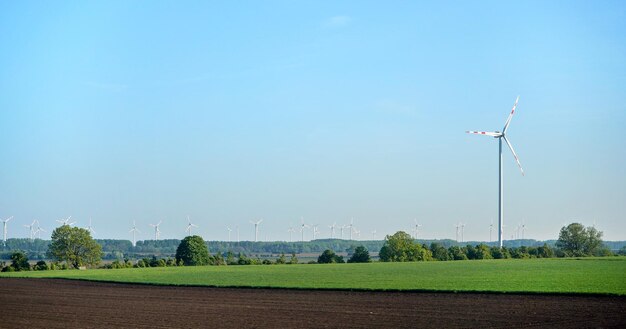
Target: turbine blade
{"x": 488, "y": 133}
{"x": 508, "y": 120}
{"x": 514, "y": 154}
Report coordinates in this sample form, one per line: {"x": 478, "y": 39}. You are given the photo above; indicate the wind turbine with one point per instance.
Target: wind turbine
{"x": 351, "y": 226}
{"x": 303, "y": 227}
{"x": 462, "y": 231}
{"x": 134, "y": 230}
{"x": 374, "y": 235}
{"x": 291, "y": 230}
{"x": 39, "y": 230}
{"x": 342, "y": 227}
{"x": 4, "y": 223}
{"x": 66, "y": 221}
{"x": 457, "y": 232}
{"x": 490, "y": 229}
{"x": 256, "y": 228}
{"x": 500, "y": 136}
{"x": 523, "y": 229}
{"x": 89, "y": 228}
{"x": 189, "y": 226}
{"x": 315, "y": 231}
{"x": 157, "y": 232}
{"x": 229, "y": 230}
{"x": 30, "y": 230}
{"x": 416, "y": 230}
{"x": 332, "y": 230}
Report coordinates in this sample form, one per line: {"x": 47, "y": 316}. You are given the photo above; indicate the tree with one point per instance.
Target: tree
{"x": 401, "y": 248}
{"x": 439, "y": 252}
{"x": 329, "y": 256}
{"x": 19, "y": 262}
{"x": 192, "y": 251}
{"x": 294, "y": 259}
{"x": 577, "y": 240}
{"x": 74, "y": 246}
{"x": 360, "y": 255}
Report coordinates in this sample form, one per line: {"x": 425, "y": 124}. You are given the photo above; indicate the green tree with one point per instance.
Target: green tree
{"x": 192, "y": 251}
{"x": 439, "y": 252}
{"x": 19, "y": 261}
{"x": 329, "y": 256}
{"x": 577, "y": 240}
{"x": 294, "y": 259}
{"x": 360, "y": 255}
{"x": 74, "y": 246}
{"x": 282, "y": 259}
{"x": 40, "y": 266}
{"x": 482, "y": 251}
{"x": 400, "y": 247}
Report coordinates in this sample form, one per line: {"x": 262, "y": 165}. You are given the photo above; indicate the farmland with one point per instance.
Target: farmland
{"x": 570, "y": 276}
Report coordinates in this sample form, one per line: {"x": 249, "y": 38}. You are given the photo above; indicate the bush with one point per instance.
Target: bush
{"x": 40, "y": 266}
{"x": 328, "y": 257}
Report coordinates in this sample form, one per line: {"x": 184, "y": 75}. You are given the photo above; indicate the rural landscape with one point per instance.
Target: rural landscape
{"x": 288, "y": 164}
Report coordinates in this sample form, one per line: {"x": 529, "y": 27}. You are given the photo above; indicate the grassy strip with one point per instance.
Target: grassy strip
{"x": 559, "y": 276}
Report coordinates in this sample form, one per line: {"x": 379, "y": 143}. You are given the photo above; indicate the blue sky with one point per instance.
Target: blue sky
{"x": 155, "y": 110}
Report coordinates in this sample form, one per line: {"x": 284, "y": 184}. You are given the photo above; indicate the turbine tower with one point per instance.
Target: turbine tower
{"x": 134, "y": 230}
{"x": 4, "y": 223}
{"x": 500, "y": 136}
{"x": 39, "y": 230}
{"x": 374, "y": 235}
{"x": 256, "y": 228}
{"x": 351, "y": 226}
{"x": 490, "y": 230}
{"x": 229, "y": 230}
{"x": 303, "y": 227}
{"x": 291, "y": 230}
{"x": 315, "y": 231}
{"x": 332, "y": 230}
{"x": 31, "y": 230}
{"x": 90, "y": 228}
{"x": 157, "y": 232}
{"x": 416, "y": 230}
{"x": 189, "y": 226}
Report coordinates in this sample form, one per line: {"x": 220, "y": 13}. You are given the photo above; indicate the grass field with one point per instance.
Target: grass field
{"x": 586, "y": 276}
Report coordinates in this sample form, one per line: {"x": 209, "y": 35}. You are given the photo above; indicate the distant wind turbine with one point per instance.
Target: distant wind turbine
{"x": 66, "y": 221}
{"x": 4, "y": 224}
{"x": 351, "y": 226}
{"x": 157, "y": 232}
{"x": 374, "y": 235}
{"x": 416, "y": 230}
{"x": 290, "y": 230}
{"x": 39, "y": 230}
{"x": 490, "y": 230}
{"x": 134, "y": 230}
{"x": 31, "y": 230}
{"x": 303, "y": 227}
{"x": 90, "y": 228}
{"x": 229, "y": 230}
{"x": 500, "y": 136}
{"x": 256, "y": 228}
{"x": 189, "y": 226}
{"x": 315, "y": 231}
{"x": 332, "y": 230}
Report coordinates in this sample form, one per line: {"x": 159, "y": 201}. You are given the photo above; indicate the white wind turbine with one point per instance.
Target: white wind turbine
{"x": 374, "y": 235}
{"x": 332, "y": 230}
{"x": 134, "y": 230}
{"x": 4, "y": 224}
{"x": 416, "y": 230}
{"x": 462, "y": 231}
{"x": 39, "y": 230}
{"x": 256, "y": 228}
{"x": 500, "y": 136}
{"x": 90, "y": 228}
{"x": 229, "y": 230}
{"x": 66, "y": 221}
{"x": 315, "y": 231}
{"x": 157, "y": 232}
{"x": 351, "y": 226}
{"x": 31, "y": 230}
{"x": 490, "y": 229}
{"x": 189, "y": 226}
{"x": 303, "y": 227}
{"x": 290, "y": 230}
{"x": 457, "y": 232}
{"x": 341, "y": 228}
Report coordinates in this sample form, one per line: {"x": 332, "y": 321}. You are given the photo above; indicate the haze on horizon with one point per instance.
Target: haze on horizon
{"x": 148, "y": 111}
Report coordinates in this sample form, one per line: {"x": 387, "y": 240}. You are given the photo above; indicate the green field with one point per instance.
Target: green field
{"x": 588, "y": 275}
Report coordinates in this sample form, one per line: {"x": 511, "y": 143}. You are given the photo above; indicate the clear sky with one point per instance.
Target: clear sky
{"x": 231, "y": 112}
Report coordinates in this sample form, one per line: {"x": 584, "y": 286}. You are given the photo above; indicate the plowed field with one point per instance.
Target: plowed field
{"x": 49, "y": 303}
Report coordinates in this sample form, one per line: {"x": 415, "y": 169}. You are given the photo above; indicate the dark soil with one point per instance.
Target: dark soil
{"x": 47, "y": 303}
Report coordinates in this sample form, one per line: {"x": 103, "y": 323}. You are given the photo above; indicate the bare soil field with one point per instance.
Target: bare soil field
{"x": 49, "y": 303}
